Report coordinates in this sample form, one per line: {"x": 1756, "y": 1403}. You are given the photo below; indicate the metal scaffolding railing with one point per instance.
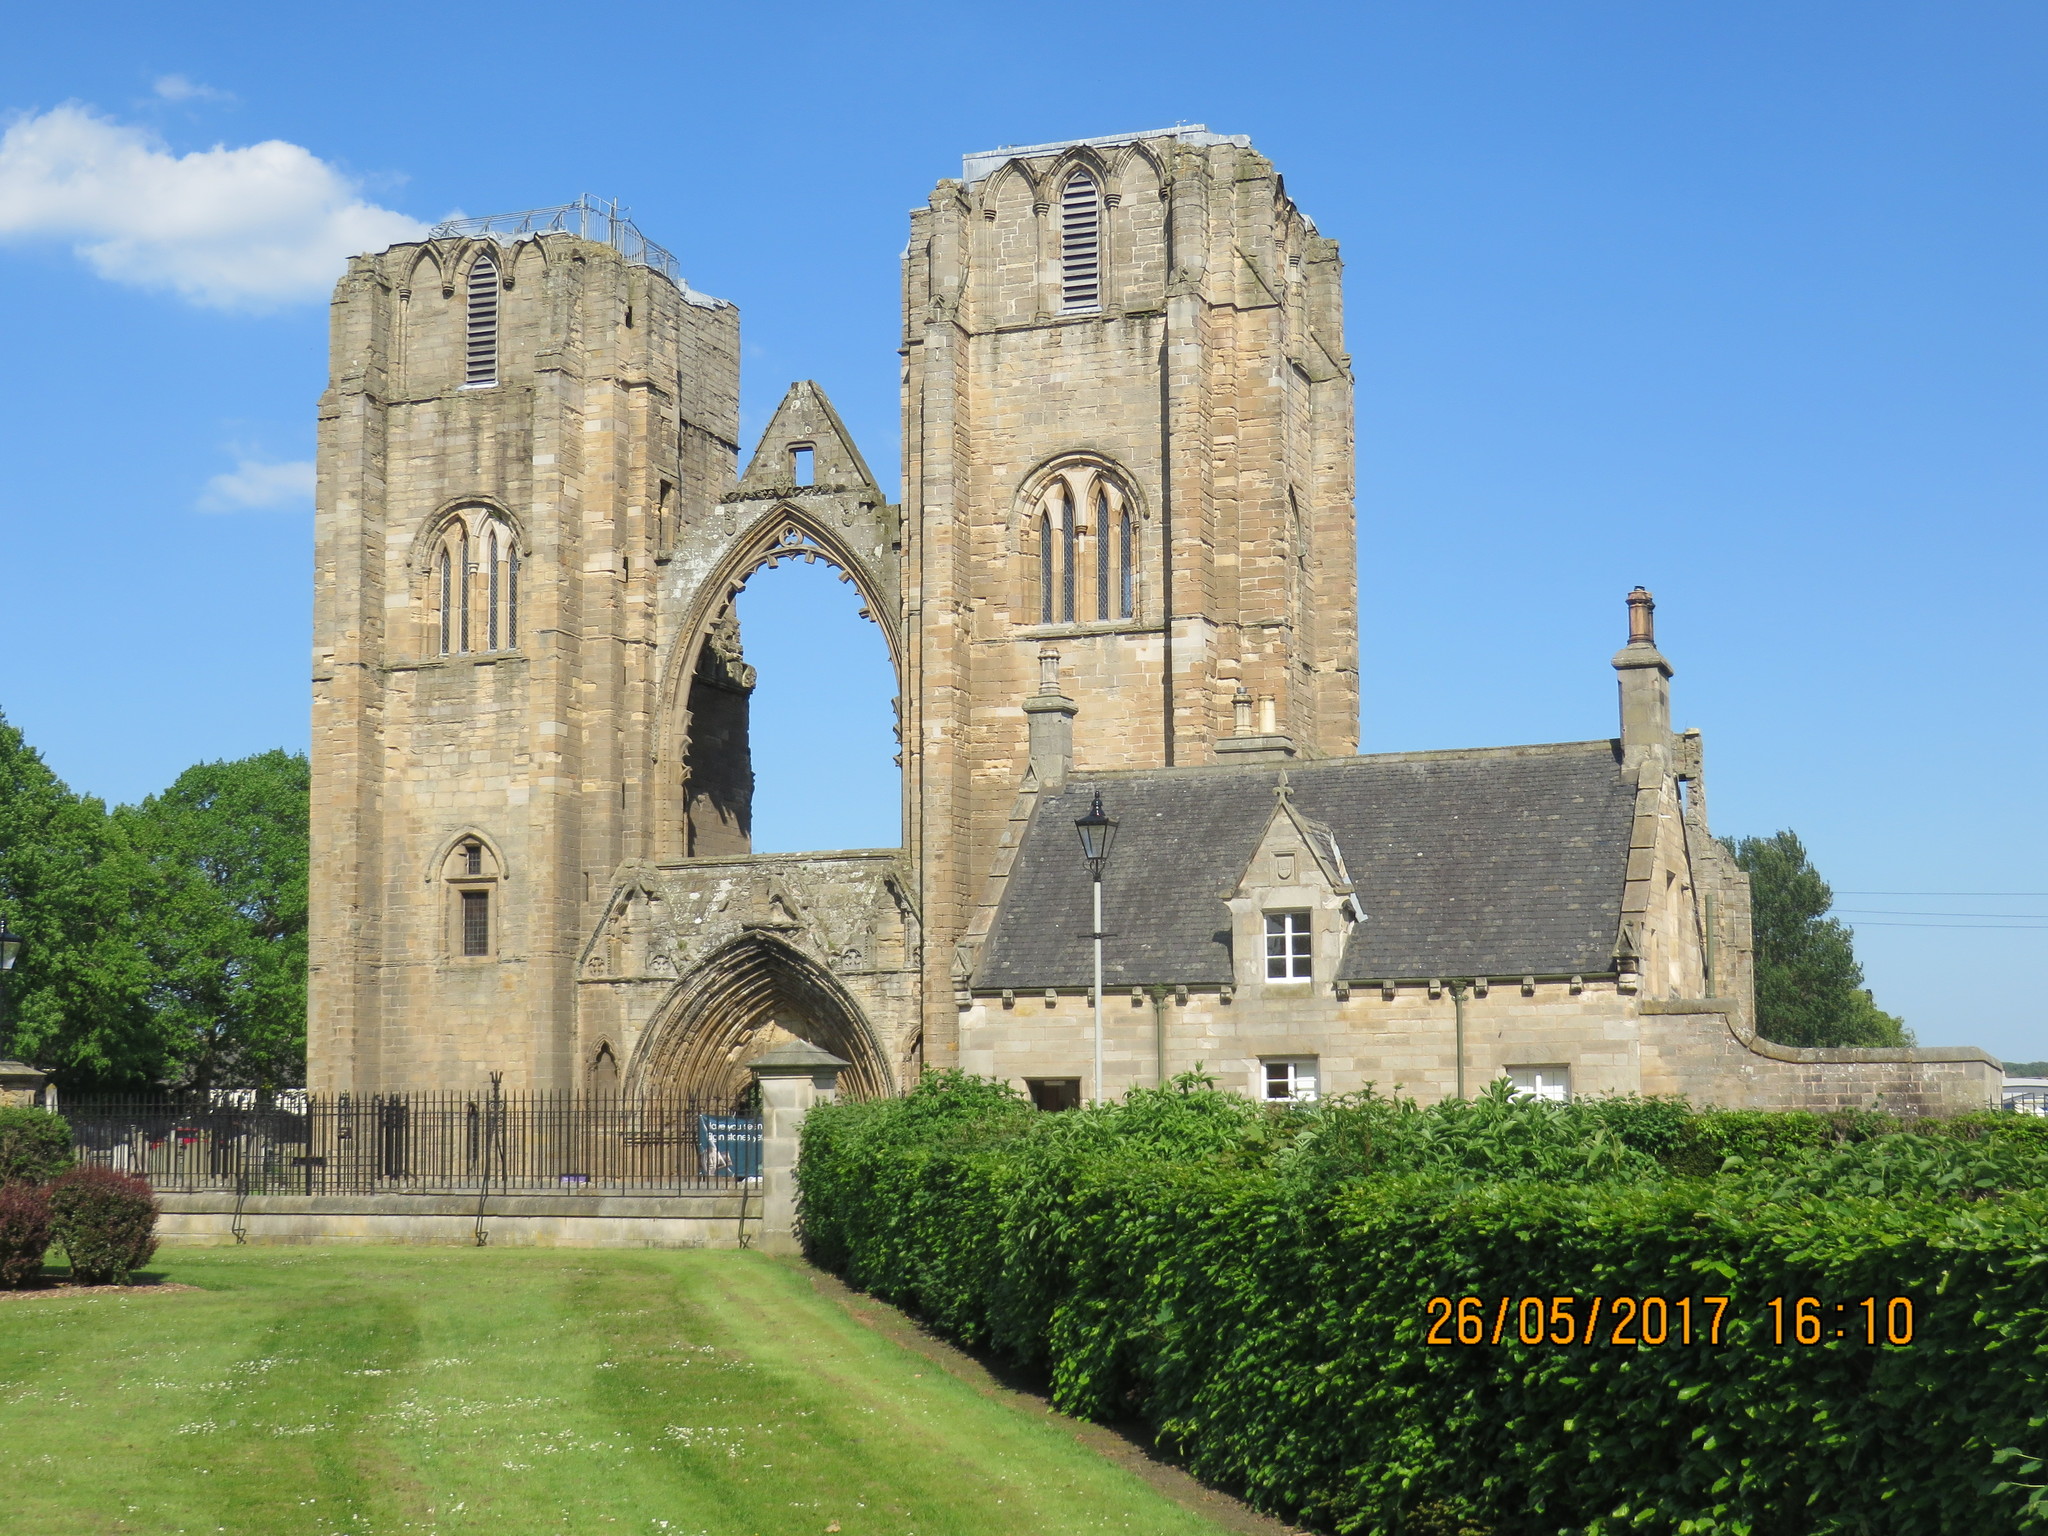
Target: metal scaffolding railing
{"x": 593, "y": 218}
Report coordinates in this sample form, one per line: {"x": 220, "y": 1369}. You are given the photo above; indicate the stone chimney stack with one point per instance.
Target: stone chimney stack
{"x": 1645, "y": 684}
{"x": 1051, "y": 714}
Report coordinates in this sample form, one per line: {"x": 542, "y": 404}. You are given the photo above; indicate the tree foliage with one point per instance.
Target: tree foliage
{"x": 1809, "y": 986}
{"x": 221, "y": 856}
{"x": 163, "y": 942}
{"x": 75, "y": 1000}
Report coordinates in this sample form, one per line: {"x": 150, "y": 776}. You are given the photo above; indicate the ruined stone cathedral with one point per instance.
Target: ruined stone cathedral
{"x": 1123, "y": 563}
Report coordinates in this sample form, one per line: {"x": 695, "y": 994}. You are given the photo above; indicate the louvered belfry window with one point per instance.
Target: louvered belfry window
{"x": 1080, "y": 244}
{"x": 482, "y": 364}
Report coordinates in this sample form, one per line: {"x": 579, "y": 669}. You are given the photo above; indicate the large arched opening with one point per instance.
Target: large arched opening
{"x": 752, "y": 995}
{"x": 791, "y": 712}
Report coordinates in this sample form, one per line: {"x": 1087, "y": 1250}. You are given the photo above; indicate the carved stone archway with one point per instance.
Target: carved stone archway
{"x": 749, "y": 996}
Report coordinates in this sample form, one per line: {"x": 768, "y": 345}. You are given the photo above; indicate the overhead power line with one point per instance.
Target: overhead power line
{"x": 2006, "y": 895}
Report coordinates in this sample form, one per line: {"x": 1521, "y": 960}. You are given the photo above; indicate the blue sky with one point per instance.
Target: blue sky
{"x": 1742, "y": 301}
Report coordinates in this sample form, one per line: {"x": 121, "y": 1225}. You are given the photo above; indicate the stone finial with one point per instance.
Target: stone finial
{"x": 1048, "y": 670}
{"x": 1242, "y": 703}
{"x": 1050, "y": 717}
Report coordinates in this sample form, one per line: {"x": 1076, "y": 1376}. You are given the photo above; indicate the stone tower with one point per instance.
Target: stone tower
{"x": 1128, "y": 475}
{"x": 522, "y": 415}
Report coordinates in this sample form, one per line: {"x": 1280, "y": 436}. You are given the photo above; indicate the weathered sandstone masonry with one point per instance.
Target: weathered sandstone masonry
{"x": 1125, "y": 562}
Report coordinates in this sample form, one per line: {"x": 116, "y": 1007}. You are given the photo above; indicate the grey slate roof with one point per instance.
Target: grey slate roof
{"x": 1504, "y": 861}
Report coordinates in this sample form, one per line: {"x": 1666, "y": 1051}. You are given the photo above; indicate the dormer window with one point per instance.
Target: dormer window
{"x": 1288, "y": 955}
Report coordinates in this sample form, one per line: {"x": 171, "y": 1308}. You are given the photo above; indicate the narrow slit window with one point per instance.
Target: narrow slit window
{"x": 1066, "y": 557}
{"x": 1080, "y": 244}
{"x": 472, "y": 858}
{"x": 481, "y": 368}
{"x": 1102, "y": 555}
{"x": 800, "y": 465}
{"x": 465, "y": 570}
{"x": 447, "y": 600}
{"x": 1126, "y": 571}
{"x": 511, "y": 594}
{"x": 1045, "y": 569}
{"x": 476, "y": 922}
{"x": 495, "y": 593}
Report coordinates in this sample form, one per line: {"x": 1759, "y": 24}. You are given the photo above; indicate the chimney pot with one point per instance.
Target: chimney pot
{"x": 1642, "y": 617}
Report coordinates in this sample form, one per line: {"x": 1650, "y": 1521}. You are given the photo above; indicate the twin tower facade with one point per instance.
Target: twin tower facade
{"x": 1125, "y": 541}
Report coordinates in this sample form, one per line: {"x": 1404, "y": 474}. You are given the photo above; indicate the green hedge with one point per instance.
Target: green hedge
{"x": 1253, "y": 1286}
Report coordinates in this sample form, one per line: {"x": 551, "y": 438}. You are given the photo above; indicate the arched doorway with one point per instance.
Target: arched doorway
{"x": 748, "y": 997}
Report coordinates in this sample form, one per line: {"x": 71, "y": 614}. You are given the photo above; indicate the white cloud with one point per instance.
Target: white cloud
{"x": 246, "y": 228}
{"x": 180, "y": 88}
{"x": 254, "y": 485}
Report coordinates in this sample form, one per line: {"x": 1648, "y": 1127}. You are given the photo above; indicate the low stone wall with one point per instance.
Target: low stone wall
{"x": 711, "y": 1220}
{"x": 1692, "y": 1046}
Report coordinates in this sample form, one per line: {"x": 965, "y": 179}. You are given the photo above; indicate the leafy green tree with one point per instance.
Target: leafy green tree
{"x": 75, "y": 1001}
{"x": 1809, "y": 986}
{"x": 220, "y": 860}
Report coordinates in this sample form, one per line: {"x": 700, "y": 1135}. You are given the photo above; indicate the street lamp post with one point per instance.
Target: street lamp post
{"x": 1097, "y": 831}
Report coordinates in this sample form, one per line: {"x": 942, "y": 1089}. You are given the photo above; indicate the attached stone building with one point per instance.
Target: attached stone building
{"x": 1125, "y": 562}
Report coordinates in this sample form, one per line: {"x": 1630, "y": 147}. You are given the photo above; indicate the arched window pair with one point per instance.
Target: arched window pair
{"x": 476, "y": 585}
{"x": 1086, "y": 547}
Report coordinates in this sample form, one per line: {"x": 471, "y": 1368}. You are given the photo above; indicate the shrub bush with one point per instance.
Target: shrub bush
{"x": 35, "y": 1145}
{"x": 24, "y": 1234}
{"x": 106, "y": 1222}
{"x": 1255, "y": 1287}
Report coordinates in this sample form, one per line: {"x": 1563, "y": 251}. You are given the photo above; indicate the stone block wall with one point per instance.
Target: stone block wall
{"x": 1211, "y": 384}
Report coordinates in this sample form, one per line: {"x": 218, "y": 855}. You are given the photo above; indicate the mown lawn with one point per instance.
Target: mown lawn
{"x": 515, "y": 1391}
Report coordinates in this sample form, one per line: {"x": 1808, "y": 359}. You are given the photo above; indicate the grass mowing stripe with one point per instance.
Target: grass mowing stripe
{"x": 293, "y": 1438}
{"x": 521, "y": 1393}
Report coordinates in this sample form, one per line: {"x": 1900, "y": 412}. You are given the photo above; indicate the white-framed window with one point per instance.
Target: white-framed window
{"x": 1553, "y": 1083}
{"x": 480, "y": 369}
{"x": 1080, "y": 245}
{"x": 1288, "y": 957}
{"x": 1288, "y": 1079}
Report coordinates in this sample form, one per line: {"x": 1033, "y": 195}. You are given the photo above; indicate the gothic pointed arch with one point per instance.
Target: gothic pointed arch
{"x": 752, "y": 994}
{"x": 841, "y": 519}
{"x": 1080, "y": 532}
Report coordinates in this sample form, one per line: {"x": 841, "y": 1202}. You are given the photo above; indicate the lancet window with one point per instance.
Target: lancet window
{"x": 473, "y": 585}
{"x": 1081, "y": 540}
{"x": 480, "y": 369}
{"x": 1080, "y": 244}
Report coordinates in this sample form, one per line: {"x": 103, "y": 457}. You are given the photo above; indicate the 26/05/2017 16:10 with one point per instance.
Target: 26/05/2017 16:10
{"x": 1636, "y": 1321}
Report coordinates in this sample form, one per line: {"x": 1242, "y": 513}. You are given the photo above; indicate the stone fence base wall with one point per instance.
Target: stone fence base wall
{"x": 509, "y": 1221}
{"x": 1691, "y": 1046}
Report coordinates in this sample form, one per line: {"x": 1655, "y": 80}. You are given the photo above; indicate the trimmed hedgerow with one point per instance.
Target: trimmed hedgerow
{"x": 24, "y": 1234}
{"x": 35, "y": 1144}
{"x": 1254, "y": 1287}
{"x": 106, "y": 1222}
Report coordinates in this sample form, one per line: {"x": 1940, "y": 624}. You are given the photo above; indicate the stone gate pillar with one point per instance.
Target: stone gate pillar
{"x": 792, "y": 1078}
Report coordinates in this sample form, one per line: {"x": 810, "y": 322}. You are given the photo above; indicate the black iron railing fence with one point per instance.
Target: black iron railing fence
{"x": 420, "y": 1143}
